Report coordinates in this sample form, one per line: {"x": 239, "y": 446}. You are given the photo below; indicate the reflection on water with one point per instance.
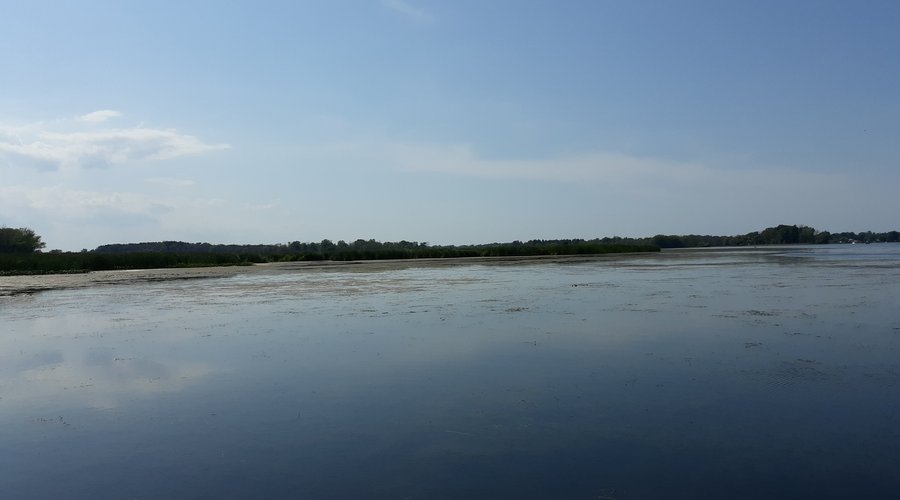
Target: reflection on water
{"x": 751, "y": 374}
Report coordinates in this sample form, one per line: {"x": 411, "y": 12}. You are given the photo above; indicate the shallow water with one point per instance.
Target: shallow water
{"x": 740, "y": 374}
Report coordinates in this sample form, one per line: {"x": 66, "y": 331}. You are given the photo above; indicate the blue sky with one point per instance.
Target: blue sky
{"x": 449, "y": 122}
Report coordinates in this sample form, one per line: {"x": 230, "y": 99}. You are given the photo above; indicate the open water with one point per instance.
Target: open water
{"x": 768, "y": 373}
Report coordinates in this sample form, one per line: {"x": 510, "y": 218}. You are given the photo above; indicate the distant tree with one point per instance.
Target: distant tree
{"x": 823, "y": 237}
{"x": 667, "y": 241}
{"x": 806, "y": 235}
{"x": 19, "y": 240}
{"x": 783, "y": 234}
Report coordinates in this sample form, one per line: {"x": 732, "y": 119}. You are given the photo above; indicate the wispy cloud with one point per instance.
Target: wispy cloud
{"x": 59, "y": 146}
{"x": 170, "y": 182}
{"x": 404, "y": 7}
{"x": 260, "y": 207}
{"x": 597, "y": 167}
{"x": 99, "y": 116}
{"x": 65, "y": 215}
{"x": 75, "y": 203}
{"x": 660, "y": 193}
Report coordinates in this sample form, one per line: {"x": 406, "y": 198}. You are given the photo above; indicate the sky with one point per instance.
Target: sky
{"x": 447, "y": 122}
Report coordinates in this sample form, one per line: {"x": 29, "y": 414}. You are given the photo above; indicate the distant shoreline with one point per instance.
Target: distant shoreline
{"x": 33, "y": 283}
{"x": 176, "y": 255}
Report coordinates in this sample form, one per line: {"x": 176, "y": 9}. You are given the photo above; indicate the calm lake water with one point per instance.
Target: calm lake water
{"x": 692, "y": 374}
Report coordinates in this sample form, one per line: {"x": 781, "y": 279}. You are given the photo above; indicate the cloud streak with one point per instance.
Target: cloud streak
{"x": 403, "y": 7}
{"x": 39, "y": 146}
{"x": 170, "y": 182}
{"x": 99, "y": 116}
{"x": 93, "y": 217}
{"x": 660, "y": 194}
{"x": 75, "y": 203}
{"x": 600, "y": 168}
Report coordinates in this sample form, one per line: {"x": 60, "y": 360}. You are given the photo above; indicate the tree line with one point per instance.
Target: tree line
{"x": 21, "y": 249}
{"x": 377, "y": 250}
{"x": 25, "y": 259}
{"x": 778, "y": 235}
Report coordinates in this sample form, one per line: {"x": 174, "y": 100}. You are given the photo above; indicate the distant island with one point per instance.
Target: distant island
{"x": 21, "y": 250}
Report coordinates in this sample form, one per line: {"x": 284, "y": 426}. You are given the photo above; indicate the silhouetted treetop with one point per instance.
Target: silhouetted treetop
{"x": 19, "y": 240}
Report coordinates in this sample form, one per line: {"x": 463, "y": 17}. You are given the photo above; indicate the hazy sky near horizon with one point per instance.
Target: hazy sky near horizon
{"x": 449, "y": 122}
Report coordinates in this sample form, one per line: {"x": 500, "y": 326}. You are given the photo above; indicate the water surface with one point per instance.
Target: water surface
{"x": 741, "y": 374}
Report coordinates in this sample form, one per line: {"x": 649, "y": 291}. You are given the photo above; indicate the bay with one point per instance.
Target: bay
{"x": 740, "y": 373}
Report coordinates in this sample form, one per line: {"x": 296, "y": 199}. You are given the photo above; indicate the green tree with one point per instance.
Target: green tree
{"x": 823, "y": 237}
{"x": 19, "y": 240}
{"x": 806, "y": 235}
{"x": 783, "y": 234}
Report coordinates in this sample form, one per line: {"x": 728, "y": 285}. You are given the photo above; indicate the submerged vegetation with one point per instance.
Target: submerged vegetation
{"x": 20, "y": 250}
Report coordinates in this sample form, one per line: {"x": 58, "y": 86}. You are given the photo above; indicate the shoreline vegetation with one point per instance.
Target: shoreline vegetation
{"x": 173, "y": 254}
{"x": 21, "y": 254}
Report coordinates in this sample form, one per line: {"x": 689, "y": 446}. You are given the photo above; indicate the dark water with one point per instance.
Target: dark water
{"x": 727, "y": 374}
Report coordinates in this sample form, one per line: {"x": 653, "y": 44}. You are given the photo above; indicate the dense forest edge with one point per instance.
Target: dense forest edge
{"x": 22, "y": 250}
